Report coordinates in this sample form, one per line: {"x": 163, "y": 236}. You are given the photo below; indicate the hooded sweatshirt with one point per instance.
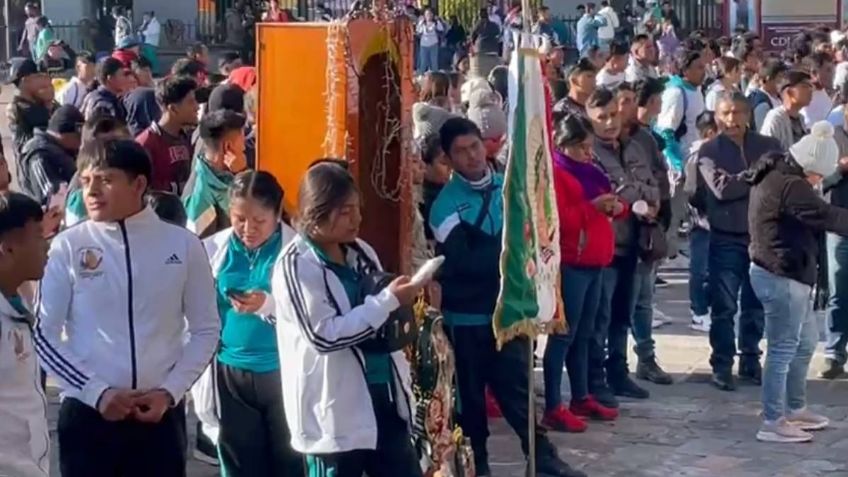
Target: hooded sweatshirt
{"x": 786, "y": 219}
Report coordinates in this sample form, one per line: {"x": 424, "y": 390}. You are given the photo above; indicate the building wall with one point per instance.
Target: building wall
{"x": 67, "y": 11}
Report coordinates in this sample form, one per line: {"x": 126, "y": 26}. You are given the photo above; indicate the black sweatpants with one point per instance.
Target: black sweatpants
{"x": 254, "y": 439}
{"x": 90, "y": 446}
{"x": 394, "y": 456}
{"x": 478, "y": 363}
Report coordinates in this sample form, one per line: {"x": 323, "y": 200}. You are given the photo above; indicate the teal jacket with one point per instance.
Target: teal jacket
{"x": 469, "y": 237}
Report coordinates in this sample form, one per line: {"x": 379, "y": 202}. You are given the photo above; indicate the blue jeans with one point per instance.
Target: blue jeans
{"x": 619, "y": 310}
{"x": 428, "y": 59}
{"x": 730, "y": 288}
{"x": 837, "y": 309}
{"x": 699, "y": 253}
{"x": 642, "y": 310}
{"x": 581, "y": 292}
{"x": 792, "y": 336}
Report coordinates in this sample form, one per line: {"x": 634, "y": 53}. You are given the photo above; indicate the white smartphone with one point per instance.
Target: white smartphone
{"x": 59, "y": 198}
{"x": 426, "y": 272}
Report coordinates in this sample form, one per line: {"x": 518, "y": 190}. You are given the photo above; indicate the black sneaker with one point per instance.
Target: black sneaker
{"x": 751, "y": 371}
{"x": 832, "y": 370}
{"x": 604, "y": 395}
{"x": 660, "y": 283}
{"x": 549, "y": 464}
{"x": 481, "y": 462}
{"x": 205, "y": 450}
{"x": 649, "y": 370}
{"x": 724, "y": 380}
{"x": 626, "y": 387}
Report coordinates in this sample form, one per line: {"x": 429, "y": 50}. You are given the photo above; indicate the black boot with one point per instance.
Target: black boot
{"x": 624, "y": 386}
{"x": 751, "y": 371}
{"x": 832, "y": 370}
{"x": 649, "y": 370}
{"x": 481, "y": 462}
{"x": 724, "y": 380}
{"x": 548, "y": 462}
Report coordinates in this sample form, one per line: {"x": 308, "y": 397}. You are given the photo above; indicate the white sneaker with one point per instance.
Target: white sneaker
{"x": 783, "y": 432}
{"x": 807, "y": 420}
{"x": 701, "y": 323}
{"x": 661, "y": 317}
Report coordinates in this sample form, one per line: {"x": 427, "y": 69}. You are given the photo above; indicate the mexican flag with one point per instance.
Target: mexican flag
{"x": 530, "y": 300}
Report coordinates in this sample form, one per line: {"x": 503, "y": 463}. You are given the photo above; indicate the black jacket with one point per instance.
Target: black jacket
{"x": 723, "y": 188}
{"x": 101, "y": 101}
{"x": 786, "y": 219}
{"x": 44, "y": 165}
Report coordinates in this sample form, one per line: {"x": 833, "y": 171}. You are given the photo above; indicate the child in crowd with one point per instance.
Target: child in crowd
{"x": 699, "y": 236}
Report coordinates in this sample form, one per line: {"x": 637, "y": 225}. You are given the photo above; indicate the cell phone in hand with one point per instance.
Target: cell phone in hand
{"x": 426, "y": 272}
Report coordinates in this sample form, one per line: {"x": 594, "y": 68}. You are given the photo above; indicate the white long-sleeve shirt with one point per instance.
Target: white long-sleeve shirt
{"x": 151, "y": 32}
{"x": 607, "y": 32}
{"x": 124, "y": 295}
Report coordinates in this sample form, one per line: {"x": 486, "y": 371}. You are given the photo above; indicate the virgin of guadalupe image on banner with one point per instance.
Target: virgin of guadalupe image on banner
{"x": 530, "y": 300}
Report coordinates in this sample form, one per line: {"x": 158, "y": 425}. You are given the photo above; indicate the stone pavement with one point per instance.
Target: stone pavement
{"x": 687, "y": 429}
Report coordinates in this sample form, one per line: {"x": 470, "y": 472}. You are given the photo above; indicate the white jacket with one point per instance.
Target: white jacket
{"x": 126, "y": 294}
{"x": 24, "y": 439}
{"x": 325, "y": 393}
{"x": 607, "y": 32}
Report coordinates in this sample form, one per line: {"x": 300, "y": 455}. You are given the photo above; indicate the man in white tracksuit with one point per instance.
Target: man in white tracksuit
{"x": 120, "y": 294}
{"x": 24, "y": 438}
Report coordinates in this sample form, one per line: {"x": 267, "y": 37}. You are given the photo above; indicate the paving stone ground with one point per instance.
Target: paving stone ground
{"x": 688, "y": 429}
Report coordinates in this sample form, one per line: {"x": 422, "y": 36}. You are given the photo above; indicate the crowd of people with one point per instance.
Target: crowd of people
{"x": 144, "y": 259}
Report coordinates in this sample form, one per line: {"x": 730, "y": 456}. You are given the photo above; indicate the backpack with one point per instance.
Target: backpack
{"x": 682, "y": 129}
{"x": 756, "y": 98}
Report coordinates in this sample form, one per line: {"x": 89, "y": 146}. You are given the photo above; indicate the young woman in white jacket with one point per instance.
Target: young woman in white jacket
{"x": 253, "y": 439}
{"x": 348, "y": 411}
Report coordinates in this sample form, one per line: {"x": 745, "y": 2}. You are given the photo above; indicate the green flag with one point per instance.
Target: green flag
{"x": 530, "y": 299}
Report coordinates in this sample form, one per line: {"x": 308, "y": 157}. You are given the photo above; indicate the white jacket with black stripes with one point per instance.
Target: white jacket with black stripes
{"x": 24, "y": 439}
{"x": 325, "y": 393}
{"x": 116, "y": 304}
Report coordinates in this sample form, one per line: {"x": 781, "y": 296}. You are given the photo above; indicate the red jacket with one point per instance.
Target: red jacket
{"x": 586, "y": 237}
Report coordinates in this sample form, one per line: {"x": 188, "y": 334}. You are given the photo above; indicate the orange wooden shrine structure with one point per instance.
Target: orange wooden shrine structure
{"x": 343, "y": 90}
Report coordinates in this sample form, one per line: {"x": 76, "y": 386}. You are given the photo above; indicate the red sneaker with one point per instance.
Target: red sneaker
{"x": 592, "y": 409}
{"x": 561, "y": 419}
{"x": 493, "y": 411}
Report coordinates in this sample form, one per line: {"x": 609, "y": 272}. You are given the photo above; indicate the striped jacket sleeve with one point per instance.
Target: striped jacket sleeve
{"x": 54, "y": 303}
{"x": 303, "y": 299}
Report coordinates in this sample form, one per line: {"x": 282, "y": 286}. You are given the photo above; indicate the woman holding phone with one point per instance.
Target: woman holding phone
{"x": 253, "y": 439}
{"x": 349, "y": 409}
{"x": 586, "y": 207}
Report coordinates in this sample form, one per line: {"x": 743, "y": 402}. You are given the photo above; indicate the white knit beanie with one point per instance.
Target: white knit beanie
{"x": 484, "y": 110}
{"x": 817, "y": 152}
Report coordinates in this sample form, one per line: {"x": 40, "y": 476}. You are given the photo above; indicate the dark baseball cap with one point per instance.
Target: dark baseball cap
{"x": 66, "y": 119}
{"x": 20, "y": 68}
{"x": 793, "y": 78}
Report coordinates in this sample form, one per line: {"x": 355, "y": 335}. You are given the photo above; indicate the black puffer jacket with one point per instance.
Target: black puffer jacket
{"x": 786, "y": 218}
